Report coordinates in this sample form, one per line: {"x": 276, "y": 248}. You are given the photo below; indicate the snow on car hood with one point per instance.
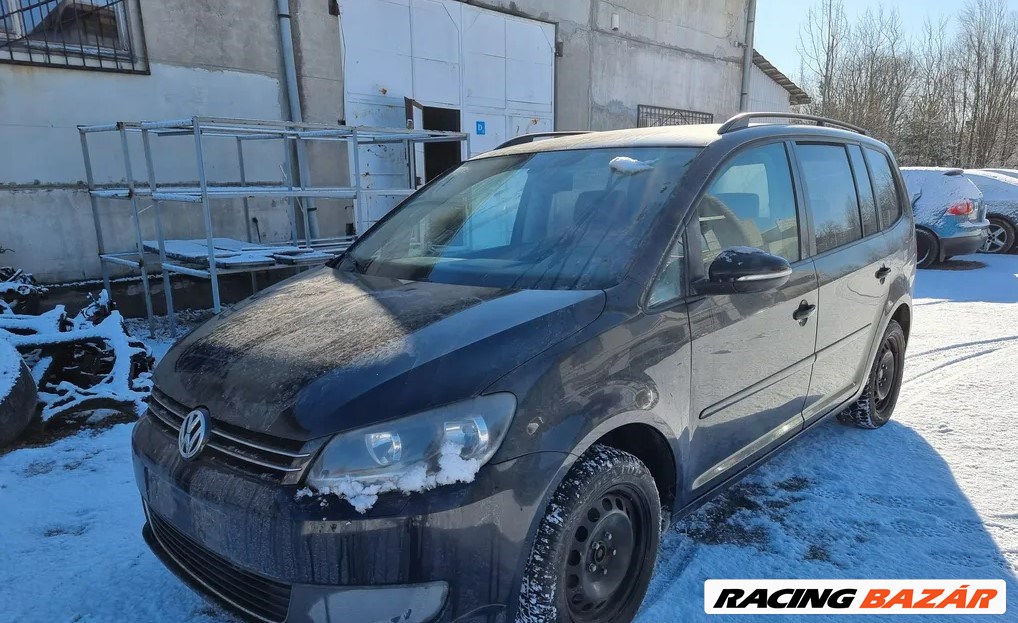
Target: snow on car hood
{"x": 332, "y": 351}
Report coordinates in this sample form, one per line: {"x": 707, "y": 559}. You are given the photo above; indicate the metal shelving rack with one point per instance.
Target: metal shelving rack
{"x": 294, "y": 137}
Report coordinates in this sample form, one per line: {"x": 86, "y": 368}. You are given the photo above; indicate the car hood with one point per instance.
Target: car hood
{"x": 331, "y": 350}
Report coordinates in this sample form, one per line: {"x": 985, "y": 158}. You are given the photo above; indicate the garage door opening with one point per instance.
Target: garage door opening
{"x": 440, "y": 157}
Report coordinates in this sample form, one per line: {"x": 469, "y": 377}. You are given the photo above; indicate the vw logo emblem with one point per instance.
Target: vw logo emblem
{"x": 194, "y": 433}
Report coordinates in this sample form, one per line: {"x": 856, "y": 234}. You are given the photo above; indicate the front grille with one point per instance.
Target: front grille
{"x": 255, "y": 595}
{"x": 271, "y": 458}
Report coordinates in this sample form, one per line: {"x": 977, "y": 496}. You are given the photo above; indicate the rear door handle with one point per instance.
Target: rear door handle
{"x": 804, "y": 312}
{"x": 883, "y": 272}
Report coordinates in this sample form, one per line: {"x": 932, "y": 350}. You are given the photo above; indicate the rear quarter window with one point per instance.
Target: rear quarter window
{"x": 888, "y": 202}
{"x": 867, "y": 202}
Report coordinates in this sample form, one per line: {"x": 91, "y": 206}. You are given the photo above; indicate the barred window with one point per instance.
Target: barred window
{"x": 652, "y": 116}
{"x": 83, "y": 34}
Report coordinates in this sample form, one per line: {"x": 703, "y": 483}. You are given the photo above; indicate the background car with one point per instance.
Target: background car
{"x": 1008, "y": 172}
{"x": 949, "y": 214}
{"x": 1000, "y": 196}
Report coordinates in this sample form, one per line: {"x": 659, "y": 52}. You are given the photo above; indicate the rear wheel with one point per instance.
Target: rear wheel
{"x": 927, "y": 248}
{"x": 1001, "y": 236}
{"x": 596, "y": 546}
{"x": 875, "y": 406}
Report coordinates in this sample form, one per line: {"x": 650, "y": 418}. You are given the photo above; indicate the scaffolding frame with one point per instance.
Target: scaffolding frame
{"x": 294, "y": 137}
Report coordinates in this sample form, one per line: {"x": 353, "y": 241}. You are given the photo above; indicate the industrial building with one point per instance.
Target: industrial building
{"x": 492, "y": 69}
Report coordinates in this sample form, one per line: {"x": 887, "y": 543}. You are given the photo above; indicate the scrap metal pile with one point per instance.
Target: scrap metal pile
{"x": 79, "y": 364}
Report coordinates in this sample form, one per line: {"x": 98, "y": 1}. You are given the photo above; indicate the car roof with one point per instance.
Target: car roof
{"x": 993, "y": 175}
{"x": 940, "y": 170}
{"x": 694, "y": 135}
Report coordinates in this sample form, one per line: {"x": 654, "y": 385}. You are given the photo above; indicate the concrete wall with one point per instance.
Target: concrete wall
{"x": 216, "y": 58}
{"x": 765, "y": 94}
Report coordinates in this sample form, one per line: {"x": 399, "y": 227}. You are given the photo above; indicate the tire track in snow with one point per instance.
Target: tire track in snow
{"x": 996, "y": 340}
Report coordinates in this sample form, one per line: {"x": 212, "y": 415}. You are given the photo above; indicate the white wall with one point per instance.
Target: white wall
{"x": 765, "y": 95}
{"x": 497, "y": 70}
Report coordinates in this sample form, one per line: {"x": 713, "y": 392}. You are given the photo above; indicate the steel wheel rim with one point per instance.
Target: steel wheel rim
{"x": 923, "y": 246}
{"x": 607, "y": 552}
{"x": 997, "y": 238}
{"x": 886, "y": 375}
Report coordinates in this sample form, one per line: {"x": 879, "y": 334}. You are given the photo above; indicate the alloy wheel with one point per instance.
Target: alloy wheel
{"x": 997, "y": 239}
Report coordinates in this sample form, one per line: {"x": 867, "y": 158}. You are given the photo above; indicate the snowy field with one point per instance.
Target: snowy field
{"x": 930, "y": 495}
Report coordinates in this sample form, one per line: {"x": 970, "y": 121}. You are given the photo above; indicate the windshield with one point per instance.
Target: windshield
{"x": 547, "y": 220}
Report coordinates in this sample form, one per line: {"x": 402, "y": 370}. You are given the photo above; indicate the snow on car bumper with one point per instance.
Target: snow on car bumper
{"x": 318, "y": 554}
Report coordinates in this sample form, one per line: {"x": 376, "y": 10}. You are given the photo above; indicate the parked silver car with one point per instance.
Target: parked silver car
{"x": 950, "y": 217}
{"x": 1000, "y": 195}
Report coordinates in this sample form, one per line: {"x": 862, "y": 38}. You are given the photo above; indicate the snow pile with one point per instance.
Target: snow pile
{"x": 56, "y": 347}
{"x": 629, "y": 166}
{"x": 10, "y": 368}
{"x": 17, "y": 288}
{"x": 363, "y": 493}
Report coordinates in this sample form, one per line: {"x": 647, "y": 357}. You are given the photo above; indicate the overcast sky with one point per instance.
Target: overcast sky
{"x": 778, "y": 23}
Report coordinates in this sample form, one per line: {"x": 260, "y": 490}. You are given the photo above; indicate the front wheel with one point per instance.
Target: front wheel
{"x": 596, "y": 545}
{"x": 874, "y": 408}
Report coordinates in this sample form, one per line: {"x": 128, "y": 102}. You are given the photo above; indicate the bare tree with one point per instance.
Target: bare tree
{"x": 988, "y": 64}
{"x": 948, "y": 96}
{"x": 929, "y": 126}
{"x": 820, "y": 41}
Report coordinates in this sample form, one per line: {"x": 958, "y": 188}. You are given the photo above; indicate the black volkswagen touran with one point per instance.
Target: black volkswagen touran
{"x": 491, "y": 405}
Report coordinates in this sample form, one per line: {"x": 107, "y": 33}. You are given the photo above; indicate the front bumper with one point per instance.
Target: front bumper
{"x": 318, "y": 560}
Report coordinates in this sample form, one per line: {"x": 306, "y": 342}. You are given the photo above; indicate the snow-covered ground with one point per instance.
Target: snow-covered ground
{"x": 930, "y": 495}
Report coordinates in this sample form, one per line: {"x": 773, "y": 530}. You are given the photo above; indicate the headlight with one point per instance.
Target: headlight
{"x": 415, "y": 453}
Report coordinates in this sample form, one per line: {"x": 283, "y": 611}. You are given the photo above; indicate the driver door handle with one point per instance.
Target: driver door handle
{"x": 882, "y": 272}
{"x": 804, "y": 312}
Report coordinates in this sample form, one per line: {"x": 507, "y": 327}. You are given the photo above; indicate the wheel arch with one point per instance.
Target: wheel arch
{"x": 650, "y": 446}
{"x": 936, "y": 241}
{"x": 903, "y": 316}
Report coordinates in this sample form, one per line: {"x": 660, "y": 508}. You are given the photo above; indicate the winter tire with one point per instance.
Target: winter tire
{"x": 874, "y": 407}
{"x": 1001, "y": 236}
{"x": 595, "y": 548}
{"x": 927, "y": 248}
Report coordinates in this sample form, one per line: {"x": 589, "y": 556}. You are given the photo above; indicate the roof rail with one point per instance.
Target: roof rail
{"x": 741, "y": 121}
{"x": 523, "y": 139}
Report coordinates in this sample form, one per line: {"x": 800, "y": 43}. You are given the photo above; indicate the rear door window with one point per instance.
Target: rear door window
{"x": 888, "y": 202}
{"x": 830, "y": 188}
{"x": 867, "y": 204}
{"x": 751, "y": 203}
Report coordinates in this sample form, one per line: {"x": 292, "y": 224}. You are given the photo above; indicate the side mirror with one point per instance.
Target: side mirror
{"x": 745, "y": 269}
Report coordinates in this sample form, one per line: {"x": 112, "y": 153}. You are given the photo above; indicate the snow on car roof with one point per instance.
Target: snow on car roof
{"x": 941, "y": 170}
{"x": 993, "y": 175}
